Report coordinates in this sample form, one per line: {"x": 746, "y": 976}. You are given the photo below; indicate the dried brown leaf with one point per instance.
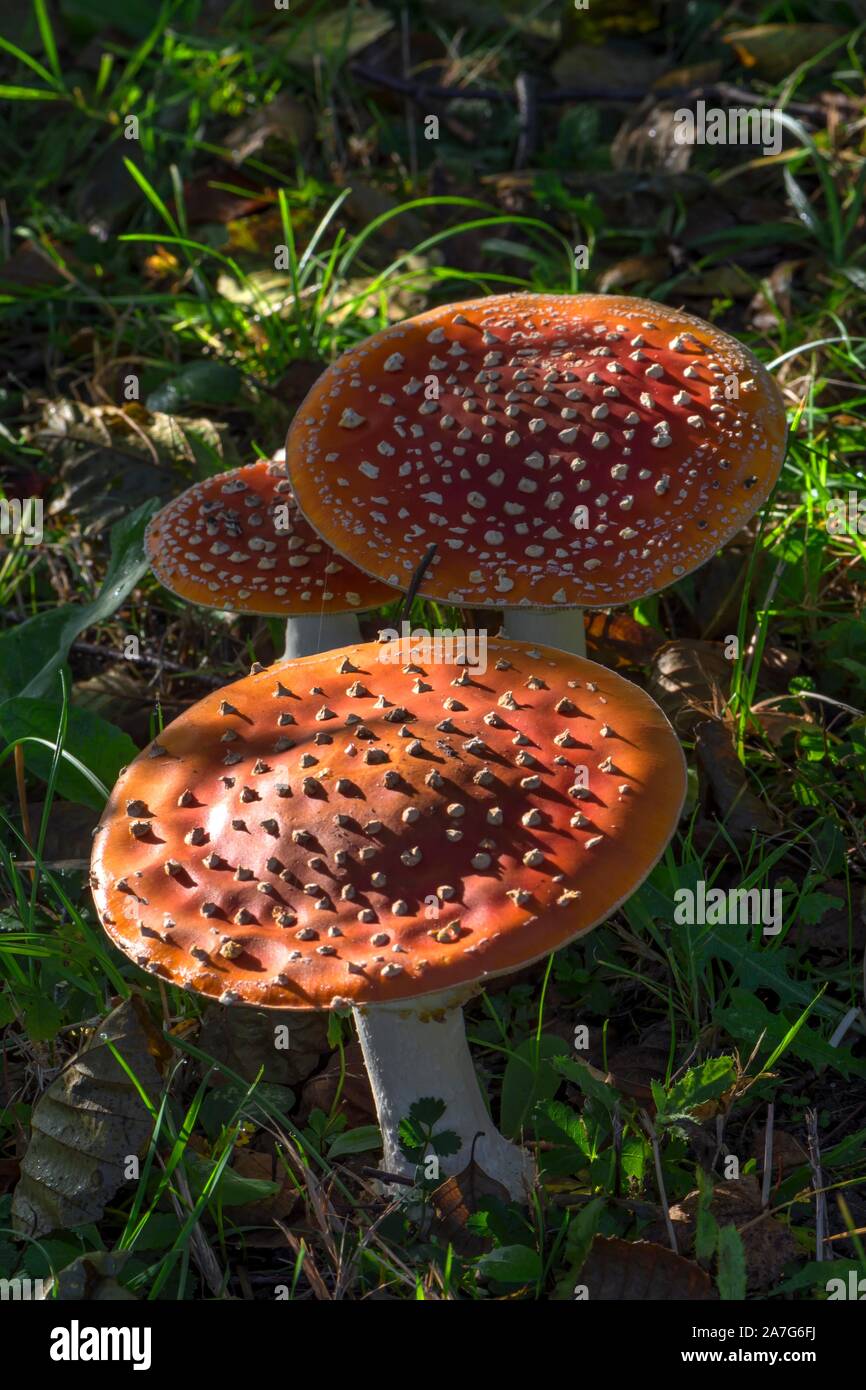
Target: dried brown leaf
{"x": 726, "y": 792}
{"x": 243, "y": 1039}
{"x": 92, "y": 1278}
{"x": 617, "y": 640}
{"x": 772, "y": 51}
{"x": 88, "y": 1123}
{"x": 263, "y": 1167}
{"x": 458, "y": 1198}
{"x": 356, "y": 1098}
{"x": 625, "y": 1271}
{"x": 691, "y": 681}
{"x": 767, "y": 1242}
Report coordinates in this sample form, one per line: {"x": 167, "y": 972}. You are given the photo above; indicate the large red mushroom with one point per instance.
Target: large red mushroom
{"x": 562, "y": 451}
{"x": 343, "y": 832}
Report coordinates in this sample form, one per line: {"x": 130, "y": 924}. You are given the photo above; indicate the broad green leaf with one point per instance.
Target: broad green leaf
{"x": 44, "y": 641}
{"x": 706, "y": 1227}
{"x": 529, "y": 1077}
{"x": 42, "y": 1017}
{"x": 700, "y": 1084}
{"x": 356, "y": 1141}
{"x": 427, "y": 1111}
{"x": 221, "y": 1104}
{"x": 731, "y": 1268}
{"x": 231, "y": 1188}
{"x": 202, "y": 383}
{"x": 815, "y": 1277}
{"x": 763, "y": 967}
{"x": 747, "y": 1017}
{"x": 582, "y": 1230}
{"x": 101, "y": 747}
{"x": 592, "y": 1086}
{"x": 568, "y": 1121}
{"x": 813, "y": 906}
{"x": 29, "y": 647}
{"x": 511, "y": 1264}
{"x": 445, "y": 1143}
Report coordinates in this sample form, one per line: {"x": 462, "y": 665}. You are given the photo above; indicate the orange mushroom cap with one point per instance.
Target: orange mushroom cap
{"x": 485, "y": 426}
{"x": 346, "y": 829}
{"x": 238, "y": 541}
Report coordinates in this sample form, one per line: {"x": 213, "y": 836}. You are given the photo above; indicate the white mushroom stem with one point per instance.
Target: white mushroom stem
{"x": 415, "y": 1048}
{"x": 561, "y": 627}
{"x": 310, "y": 633}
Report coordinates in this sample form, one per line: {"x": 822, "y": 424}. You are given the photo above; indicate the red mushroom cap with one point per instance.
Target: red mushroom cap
{"x": 561, "y": 450}
{"x": 346, "y": 828}
{"x": 238, "y": 541}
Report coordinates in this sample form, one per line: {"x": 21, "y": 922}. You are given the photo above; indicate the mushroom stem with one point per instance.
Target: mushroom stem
{"x": 417, "y": 1048}
{"x": 560, "y": 627}
{"x": 310, "y": 633}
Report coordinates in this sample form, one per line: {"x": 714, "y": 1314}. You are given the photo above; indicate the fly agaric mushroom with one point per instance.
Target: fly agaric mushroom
{"x": 341, "y": 831}
{"x": 238, "y": 541}
{"x": 561, "y": 450}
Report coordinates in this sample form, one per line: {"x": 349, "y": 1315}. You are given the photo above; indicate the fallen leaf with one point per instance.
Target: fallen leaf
{"x": 599, "y": 71}
{"x": 776, "y": 299}
{"x": 120, "y": 692}
{"x": 633, "y": 270}
{"x": 777, "y": 724}
{"x": 245, "y": 1041}
{"x": 616, "y": 639}
{"x": 633, "y": 1069}
{"x": 69, "y": 834}
{"x": 716, "y": 282}
{"x": 162, "y": 269}
{"x": 779, "y": 665}
{"x": 367, "y": 201}
{"x": 332, "y": 36}
{"x": 108, "y": 460}
{"x": 727, "y": 795}
{"x": 92, "y": 1278}
{"x": 30, "y": 268}
{"x": 616, "y": 18}
{"x": 283, "y": 122}
{"x": 690, "y": 75}
{"x": 88, "y": 1123}
{"x": 788, "y": 1153}
{"x": 296, "y": 381}
{"x": 773, "y": 51}
{"x": 458, "y": 1198}
{"x": 625, "y": 1271}
{"x": 263, "y": 1167}
{"x": 221, "y": 195}
{"x": 690, "y": 681}
{"x": 108, "y": 193}
{"x": 768, "y": 1243}
{"x": 356, "y": 1097}
{"x": 648, "y": 140}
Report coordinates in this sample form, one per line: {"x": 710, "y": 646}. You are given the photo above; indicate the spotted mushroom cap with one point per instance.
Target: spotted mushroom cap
{"x": 238, "y": 541}
{"x": 347, "y": 828}
{"x": 559, "y": 449}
